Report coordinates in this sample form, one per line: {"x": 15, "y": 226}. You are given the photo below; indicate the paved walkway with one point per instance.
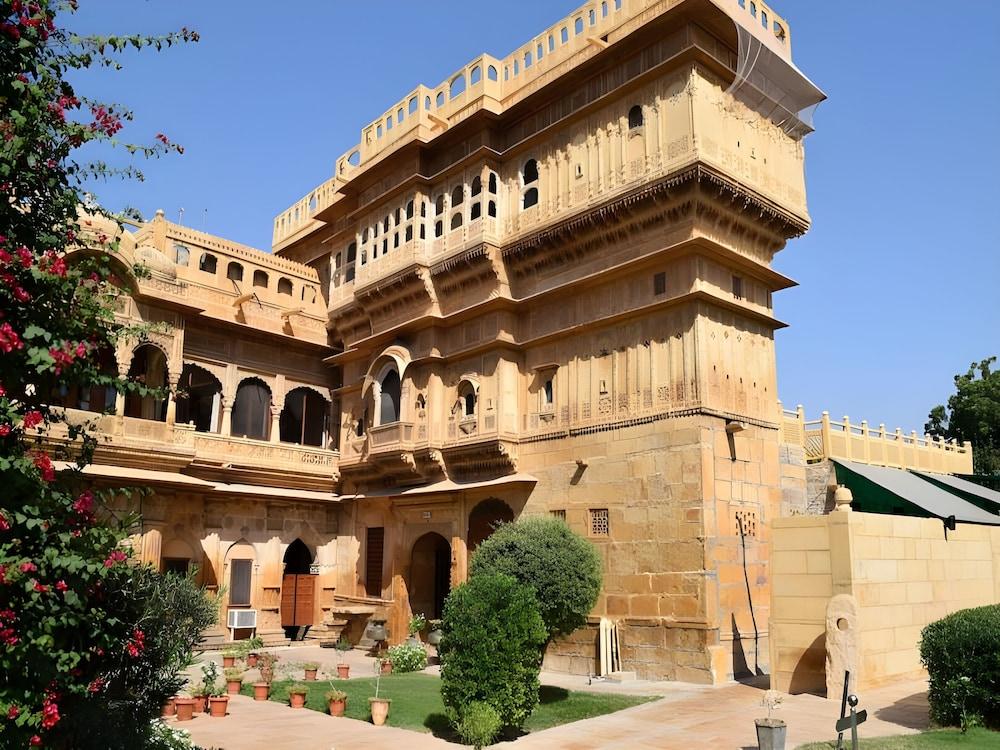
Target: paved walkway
{"x": 688, "y": 717}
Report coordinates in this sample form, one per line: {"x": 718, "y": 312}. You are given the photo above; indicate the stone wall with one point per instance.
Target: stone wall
{"x": 904, "y": 573}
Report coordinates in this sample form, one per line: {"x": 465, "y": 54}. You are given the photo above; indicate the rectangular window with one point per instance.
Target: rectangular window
{"x": 659, "y": 284}
{"x": 374, "y": 547}
{"x": 239, "y": 582}
{"x": 599, "y": 522}
{"x": 738, "y": 287}
{"x": 178, "y": 565}
{"x": 560, "y": 514}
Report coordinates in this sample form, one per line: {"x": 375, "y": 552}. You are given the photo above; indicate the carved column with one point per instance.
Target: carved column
{"x": 173, "y": 380}
{"x": 119, "y": 396}
{"x": 152, "y": 544}
{"x": 226, "y": 428}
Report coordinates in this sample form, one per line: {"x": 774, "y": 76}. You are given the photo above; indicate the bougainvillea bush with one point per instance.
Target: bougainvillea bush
{"x": 90, "y": 642}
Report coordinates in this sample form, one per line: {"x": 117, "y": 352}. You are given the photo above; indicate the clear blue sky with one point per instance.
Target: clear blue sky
{"x": 899, "y": 276}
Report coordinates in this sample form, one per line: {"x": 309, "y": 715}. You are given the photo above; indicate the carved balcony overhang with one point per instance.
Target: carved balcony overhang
{"x": 487, "y": 457}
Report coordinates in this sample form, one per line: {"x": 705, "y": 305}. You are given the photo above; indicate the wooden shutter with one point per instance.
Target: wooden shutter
{"x": 297, "y": 599}
{"x": 239, "y": 582}
{"x": 374, "y": 547}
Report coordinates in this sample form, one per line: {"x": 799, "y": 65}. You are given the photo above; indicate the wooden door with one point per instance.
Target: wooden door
{"x": 298, "y": 596}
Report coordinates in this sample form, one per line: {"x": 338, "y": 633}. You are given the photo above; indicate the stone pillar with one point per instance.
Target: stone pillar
{"x": 459, "y": 561}
{"x": 276, "y": 422}
{"x": 152, "y": 544}
{"x": 226, "y": 428}
{"x": 173, "y": 380}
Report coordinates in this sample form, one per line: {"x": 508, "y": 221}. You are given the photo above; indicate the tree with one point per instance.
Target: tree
{"x": 973, "y": 414}
{"x": 491, "y": 652}
{"x": 560, "y": 566}
{"x": 77, "y": 627}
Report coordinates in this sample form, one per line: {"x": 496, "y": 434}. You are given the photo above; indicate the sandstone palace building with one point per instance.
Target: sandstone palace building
{"x": 543, "y": 286}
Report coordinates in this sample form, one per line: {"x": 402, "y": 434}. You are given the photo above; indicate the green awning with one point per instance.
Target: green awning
{"x": 879, "y": 489}
{"x": 984, "y": 497}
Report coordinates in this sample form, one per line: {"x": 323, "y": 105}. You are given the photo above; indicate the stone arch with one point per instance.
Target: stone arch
{"x": 149, "y": 367}
{"x": 239, "y": 562}
{"x": 429, "y": 575}
{"x": 484, "y": 519}
{"x": 199, "y": 398}
{"x": 304, "y": 417}
{"x": 396, "y": 354}
{"x": 297, "y": 557}
{"x": 252, "y": 409}
{"x": 176, "y": 556}
{"x": 468, "y": 396}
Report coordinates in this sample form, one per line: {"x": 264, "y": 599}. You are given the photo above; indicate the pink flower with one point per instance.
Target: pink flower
{"x": 84, "y": 504}
{"x": 61, "y": 585}
{"x": 96, "y": 685}
{"x": 25, "y": 256}
{"x": 41, "y": 588}
{"x": 9, "y": 339}
{"x": 32, "y": 419}
{"x": 115, "y": 557}
{"x": 44, "y": 464}
{"x": 4, "y": 523}
{"x": 50, "y": 714}
{"x": 35, "y": 741}
{"x": 28, "y": 567}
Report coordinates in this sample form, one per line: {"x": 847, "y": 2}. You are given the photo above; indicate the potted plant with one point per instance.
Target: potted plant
{"x": 185, "y": 708}
{"x": 229, "y": 657}
{"x": 311, "y": 668}
{"x": 385, "y": 665}
{"x": 417, "y": 623}
{"x": 251, "y": 647}
{"x": 218, "y": 702}
{"x": 170, "y": 706}
{"x": 343, "y": 668}
{"x": 435, "y": 632}
{"x": 379, "y": 706}
{"x": 297, "y": 695}
{"x": 265, "y": 663}
{"x": 209, "y": 678}
{"x": 234, "y": 680}
{"x": 771, "y": 732}
{"x": 337, "y": 701}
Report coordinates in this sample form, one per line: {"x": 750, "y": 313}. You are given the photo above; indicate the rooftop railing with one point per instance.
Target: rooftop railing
{"x": 826, "y": 438}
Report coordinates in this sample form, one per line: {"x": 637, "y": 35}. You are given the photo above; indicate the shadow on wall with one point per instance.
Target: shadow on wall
{"x": 742, "y": 671}
{"x": 809, "y": 675}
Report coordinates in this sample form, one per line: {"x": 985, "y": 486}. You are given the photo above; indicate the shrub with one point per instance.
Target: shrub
{"x": 563, "y": 568}
{"x": 311, "y": 665}
{"x": 297, "y": 689}
{"x": 265, "y": 663}
{"x": 962, "y": 656}
{"x": 233, "y": 673}
{"x": 491, "y": 648}
{"x": 335, "y": 695}
{"x": 343, "y": 644}
{"x": 479, "y": 725}
{"x": 407, "y": 658}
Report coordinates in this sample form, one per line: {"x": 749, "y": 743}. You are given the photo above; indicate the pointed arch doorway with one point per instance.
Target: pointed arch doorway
{"x": 298, "y": 591}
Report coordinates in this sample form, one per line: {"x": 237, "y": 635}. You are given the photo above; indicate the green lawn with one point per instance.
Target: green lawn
{"x": 416, "y": 702}
{"x": 946, "y": 739}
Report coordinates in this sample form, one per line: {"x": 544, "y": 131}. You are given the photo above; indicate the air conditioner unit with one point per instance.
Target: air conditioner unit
{"x": 242, "y": 618}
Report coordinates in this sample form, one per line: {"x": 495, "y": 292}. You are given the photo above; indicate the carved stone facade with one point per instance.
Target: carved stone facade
{"x": 542, "y": 287}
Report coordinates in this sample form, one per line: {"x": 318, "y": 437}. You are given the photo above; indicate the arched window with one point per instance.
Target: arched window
{"x": 604, "y": 10}
{"x": 467, "y": 398}
{"x": 207, "y": 263}
{"x": 427, "y": 102}
{"x": 578, "y": 26}
{"x": 182, "y": 256}
{"x": 234, "y": 272}
{"x": 539, "y": 52}
{"x": 457, "y": 196}
{"x": 439, "y": 101}
{"x": 547, "y": 394}
{"x": 439, "y": 205}
{"x": 491, "y": 209}
{"x": 475, "y": 211}
{"x": 457, "y": 86}
{"x": 389, "y": 397}
{"x": 527, "y": 59}
{"x": 593, "y": 17}
{"x": 491, "y": 73}
{"x": 456, "y": 221}
{"x": 260, "y": 279}
{"x": 284, "y": 286}
{"x": 530, "y": 198}
{"x": 352, "y": 256}
{"x": 477, "y": 186}
{"x": 409, "y": 209}
{"x": 199, "y": 399}
{"x": 93, "y": 396}
{"x": 635, "y": 117}
{"x": 399, "y": 115}
{"x": 409, "y": 232}
{"x": 438, "y": 228}
{"x": 303, "y": 420}
{"x": 552, "y": 43}
{"x": 385, "y": 224}
{"x": 149, "y": 368}
{"x": 492, "y": 186}
{"x": 252, "y": 410}
{"x": 530, "y": 172}
{"x": 412, "y": 106}
{"x": 475, "y": 75}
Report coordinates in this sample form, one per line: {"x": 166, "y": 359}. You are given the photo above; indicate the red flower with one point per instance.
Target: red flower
{"x": 41, "y": 588}
{"x": 84, "y": 504}
{"x": 25, "y": 256}
{"x": 3, "y": 574}
{"x": 32, "y": 419}
{"x": 115, "y": 557}
{"x": 4, "y": 523}
{"x": 13, "y": 711}
{"x": 4, "y": 430}
{"x": 61, "y": 585}
{"x": 44, "y": 464}
{"x": 35, "y": 741}
{"x": 28, "y": 567}
{"x": 96, "y": 685}
{"x": 50, "y": 713}
{"x": 21, "y": 295}
{"x": 9, "y": 339}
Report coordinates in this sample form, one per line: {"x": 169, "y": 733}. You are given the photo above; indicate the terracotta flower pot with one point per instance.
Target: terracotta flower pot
{"x": 185, "y": 709}
{"x": 297, "y": 700}
{"x": 379, "y": 709}
{"x": 386, "y": 668}
{"x": 170, "y": 707}
{"x": 311, "y": 674}
{"x": 233, "y": 686}
{"x": 199, "y": 704}
{"x": 343, "y": 671}
{"x": 251, "y": 660}
{"x": 228, "y": 661}
{"x": 337, "y": 708}
{"x": 260, "y": 691}
{"x": 217, "y": 706}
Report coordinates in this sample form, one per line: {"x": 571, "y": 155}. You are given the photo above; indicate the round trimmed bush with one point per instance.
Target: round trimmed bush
{"x": 479, "y": 725}
{"x": 962, "y": 656}
{"x": 562, "y": 567}
{"x": 407, "y": 658}
{"x": 491, "y": 648}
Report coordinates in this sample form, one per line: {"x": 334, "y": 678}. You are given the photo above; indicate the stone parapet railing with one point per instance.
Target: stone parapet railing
{"x": 826, "y": 438}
